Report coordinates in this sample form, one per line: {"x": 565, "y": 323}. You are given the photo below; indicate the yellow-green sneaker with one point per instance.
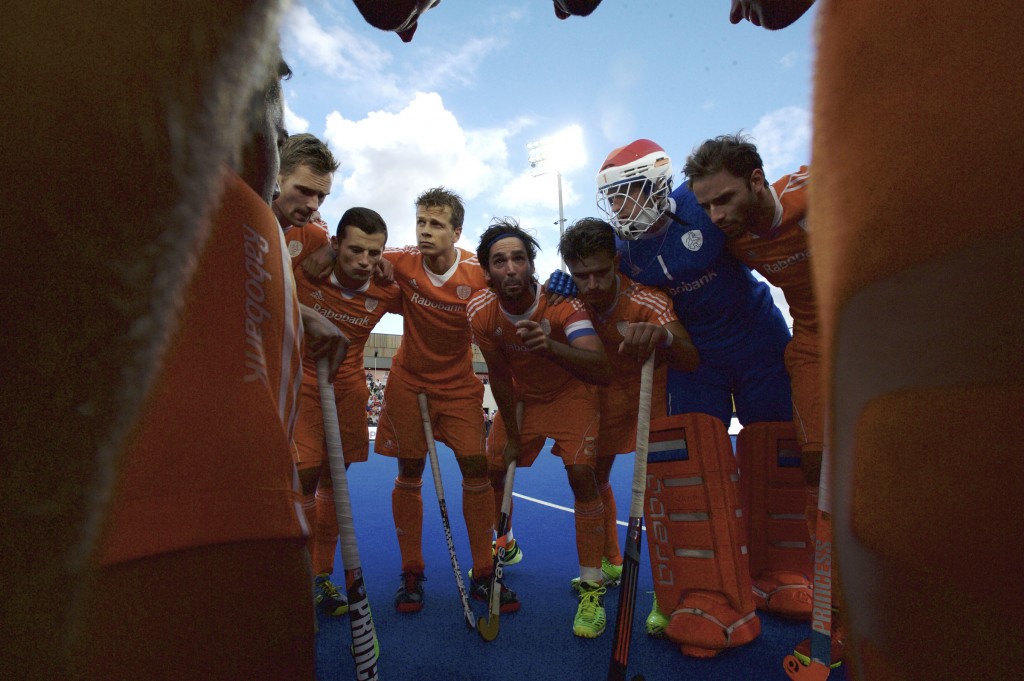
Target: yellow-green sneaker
{"x": 513, "y": 553}
{"x": 612, "y": 576}
{"x": 590, "y": 618}
{"x": 656, "y": 621}
{"x": 612, "y": 572}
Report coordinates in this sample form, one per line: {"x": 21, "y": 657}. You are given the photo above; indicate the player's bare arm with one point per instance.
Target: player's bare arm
{"x": 671, "y": 341}
{"x": 583, "y": 357}
{"x": 502, "y": 389}
{"x": 323, "y": 339}
{"x": 320, "y": 262}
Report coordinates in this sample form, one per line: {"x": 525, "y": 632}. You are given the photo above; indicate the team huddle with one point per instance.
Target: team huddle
{"x": 667, "y": 272}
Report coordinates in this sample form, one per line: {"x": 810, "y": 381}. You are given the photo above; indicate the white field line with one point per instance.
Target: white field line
{"x": 560, "y": 508}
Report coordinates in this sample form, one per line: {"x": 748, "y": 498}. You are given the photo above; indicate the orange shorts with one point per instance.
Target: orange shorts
{"x": 619, "y": 406}
{"x": 456, "y": 417}
{"x": 803, "y": 362}
{"x": 618, "y": 428}
{"x": 310, "y": 447}
{"x": 571, "y": 420}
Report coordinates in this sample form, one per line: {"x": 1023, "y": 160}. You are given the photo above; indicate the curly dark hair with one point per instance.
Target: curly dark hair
{"x": 735, "y": 153}
{"x": 499, "y": 229}
{"x": 587, "y": 237}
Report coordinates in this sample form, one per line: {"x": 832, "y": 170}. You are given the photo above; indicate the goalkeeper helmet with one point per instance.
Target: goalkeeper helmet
{"x": 633, "y": 187}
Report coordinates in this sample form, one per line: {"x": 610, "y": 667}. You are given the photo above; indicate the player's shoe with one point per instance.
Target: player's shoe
{"x": 590, "y": 617}
{"x": 410, "y": 593}
{"x": 656, "y": 621}
{"x": 481, "y": 591}
{"x": 611, "y": 572}
{"x": 327, "y": 596}
{"x": 513, "y": 553}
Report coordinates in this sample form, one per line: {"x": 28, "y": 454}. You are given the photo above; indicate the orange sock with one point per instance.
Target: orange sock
{"x": 407, "y": 508}
{"x": 476, "y": 510}
{"x": 590, "y": 532}
{"x": 611, "y": 528}
{"x": 325, "y": 532}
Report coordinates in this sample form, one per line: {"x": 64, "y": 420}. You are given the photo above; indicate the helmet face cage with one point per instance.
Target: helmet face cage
{"x": 639, "y": 208}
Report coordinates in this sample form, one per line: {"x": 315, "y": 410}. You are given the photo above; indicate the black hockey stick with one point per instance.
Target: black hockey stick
{"x": 435, "y": 467}
{"x": 365, "y": 647}
{"x": 488, "y": 628}
{"x": 634, "y": 533}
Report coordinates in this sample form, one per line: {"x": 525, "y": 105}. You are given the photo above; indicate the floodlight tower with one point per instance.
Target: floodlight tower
{"x": 538, "y": 159}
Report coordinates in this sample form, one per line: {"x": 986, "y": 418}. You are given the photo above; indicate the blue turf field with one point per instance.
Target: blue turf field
{"x": 537, "y": 642}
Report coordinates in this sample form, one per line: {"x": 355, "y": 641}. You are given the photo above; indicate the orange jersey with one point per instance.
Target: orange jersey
{"x": 782, "y": 255}
{"x": 633, "y": 303}
{"x": 494, "y": 330}
{"x": 354, "y": 311}
{"x": 210, "y": 459}
{"x": 621, "y": 398}
{"x": 436, "y": 342}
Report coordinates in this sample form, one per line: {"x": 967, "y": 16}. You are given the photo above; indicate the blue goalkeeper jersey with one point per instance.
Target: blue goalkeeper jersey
{"x": 716, "y": 297}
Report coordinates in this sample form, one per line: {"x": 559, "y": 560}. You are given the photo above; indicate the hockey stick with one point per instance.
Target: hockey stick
{"x": 634, "y": 533}
{"x": 488, "y": 628}
{"x": 821, "y": 614}
{"x": 435, "y": 468}
{"x": 365, "y": 648}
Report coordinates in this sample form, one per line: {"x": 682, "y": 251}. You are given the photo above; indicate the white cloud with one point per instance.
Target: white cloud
{"x": 388, "y": 158}
{"x": 457, "y": 66}
{"x": 789, "y": 60}
{"x": 338, "y": 52}
{"x": 332, "y": 48}
{"x": 293, "y": 122}
{"x": 783, "y": 138}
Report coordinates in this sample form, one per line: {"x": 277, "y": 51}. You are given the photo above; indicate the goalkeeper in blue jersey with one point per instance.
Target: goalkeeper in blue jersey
{"x": 665, "y": 239}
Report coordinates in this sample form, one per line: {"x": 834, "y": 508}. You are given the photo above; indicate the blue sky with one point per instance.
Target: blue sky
{"x": 483, "y": 78}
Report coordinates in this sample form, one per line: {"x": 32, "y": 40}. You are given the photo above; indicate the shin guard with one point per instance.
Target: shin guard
{"x": 775, "y": 499}
{"x": 696, "y": 536}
